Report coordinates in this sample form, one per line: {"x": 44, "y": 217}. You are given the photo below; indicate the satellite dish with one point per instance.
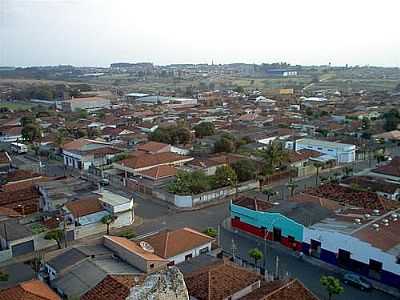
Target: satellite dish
{"x": 146, "y": 246}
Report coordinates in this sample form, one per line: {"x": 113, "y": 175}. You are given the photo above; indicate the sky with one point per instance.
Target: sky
{"x": 100, "y": 32}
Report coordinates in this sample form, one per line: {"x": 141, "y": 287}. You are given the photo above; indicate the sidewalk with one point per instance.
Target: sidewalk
{"x": 309, "y": 259}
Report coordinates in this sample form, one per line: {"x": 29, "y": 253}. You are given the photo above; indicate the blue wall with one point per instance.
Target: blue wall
{"x": 268, "y": 220}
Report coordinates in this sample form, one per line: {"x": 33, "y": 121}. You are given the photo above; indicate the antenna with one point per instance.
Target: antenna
{"x": 146, "y": 246}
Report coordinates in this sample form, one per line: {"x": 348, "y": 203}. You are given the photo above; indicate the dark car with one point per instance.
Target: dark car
{"x": 357, "y": 281}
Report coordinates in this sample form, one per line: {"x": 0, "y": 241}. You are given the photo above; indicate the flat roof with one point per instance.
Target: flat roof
{"x": 323, "y": 143}
{"x": 112, "y": 198}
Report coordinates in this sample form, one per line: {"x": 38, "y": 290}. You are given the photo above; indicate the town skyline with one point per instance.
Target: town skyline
{"x": 97, "y": 33}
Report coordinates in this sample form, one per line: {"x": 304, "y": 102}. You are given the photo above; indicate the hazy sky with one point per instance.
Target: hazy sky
{"x": 99, "y": 32}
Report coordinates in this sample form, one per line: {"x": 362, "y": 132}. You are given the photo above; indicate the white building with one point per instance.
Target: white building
{"x": 342, "y": 153}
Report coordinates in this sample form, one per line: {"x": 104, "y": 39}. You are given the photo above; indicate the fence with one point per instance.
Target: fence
{"x": 187, "y": 201}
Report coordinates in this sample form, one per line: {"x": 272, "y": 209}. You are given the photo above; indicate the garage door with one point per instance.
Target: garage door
{"x": 22, "y": 248}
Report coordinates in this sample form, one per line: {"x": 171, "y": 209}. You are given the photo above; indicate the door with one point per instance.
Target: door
{"x": 344, "y": 258}
{"x": 315, "y": 248}
{"x": 22, "y": 248}
{"x": 277, "y": 234}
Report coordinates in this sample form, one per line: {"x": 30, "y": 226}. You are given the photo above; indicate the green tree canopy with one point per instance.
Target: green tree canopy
{"x": 246, "y": 169}
{"x": 108, "y": 220}
{"x": 224, "y": 144}
{"x": 332, "y": 285}
{"x": 174, "y": 135}
{"x": 31, "y": 132}
{"x": 225, "y": 176}
{"x": 274, "y": 157}
{"x": 204, "y": 129}
{"x": 255, "y": 254}
{"x": 56, "y": 235}
{"x": 392, "y": 119}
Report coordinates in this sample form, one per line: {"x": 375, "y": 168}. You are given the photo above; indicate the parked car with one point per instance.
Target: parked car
{"x": 357, "y": 281}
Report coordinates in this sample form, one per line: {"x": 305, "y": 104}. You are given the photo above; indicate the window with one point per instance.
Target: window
{"x": 151, "y": 266}
{"x": 203, "y": 250}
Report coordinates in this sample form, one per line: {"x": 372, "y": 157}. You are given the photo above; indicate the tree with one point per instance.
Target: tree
{"x": 332, "y": 286}
{"x": 347, "y": 171}
{"x": 245, "y": 169}
{"x": 225, "y": 176}
{"x": 292, "y": 186}
{"x": 204, "y": 129}
{"x": 27, "y": 120}
{"x": 318, "y": 165}
{"x": 173, "y": 135}
{"x": 211, "y": 232}
{"x": 60, "y": 138}
{"x": 3, "y": 276}
{"x": 187, "y": 183}
{"x": 274, "y": 156}
{"x": 56, "y": 235}
{"x": 224, "y": 144}
{"x": 31, "y": 132}
{"x": 82, "y": 113}
{"x": 239, "y": 89}
{"x": 255, "y": 254}
{"x": 392, "y": 119}
{"x": 108, "y": 220}
{"x": 270, "y": 193}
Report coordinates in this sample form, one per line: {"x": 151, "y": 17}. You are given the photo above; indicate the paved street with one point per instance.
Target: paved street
{"x": 288, "y": 264}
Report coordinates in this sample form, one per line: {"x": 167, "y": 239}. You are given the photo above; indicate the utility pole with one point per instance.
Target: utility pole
{"x": 233, "y": 249}
{"x": 277, "y": 268}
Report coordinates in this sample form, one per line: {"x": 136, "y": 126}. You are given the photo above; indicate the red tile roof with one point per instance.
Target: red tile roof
{"x": 29, "y": 290}
{"x": 159, "y": 172}
{"x": 115, "y": 287}
{"x": 168, "y": 244}
{"x": 139, "y": 160}
{"x": 153, "y": 147}
{"x": 290, "y": 289}
{"x": 83, "y": 207}
{"x": 391, "y": 169}
{"x": 219, "y": 281}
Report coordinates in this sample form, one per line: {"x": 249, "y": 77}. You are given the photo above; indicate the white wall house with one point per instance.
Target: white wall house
{"x": 361, "y": 251}
{"x": 342, "y": 153}
{"x": 119, "y": 206}
{"x": 184, "y": 256}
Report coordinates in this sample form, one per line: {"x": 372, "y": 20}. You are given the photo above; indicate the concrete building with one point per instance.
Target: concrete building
{"x": 83, "y": 153}
{"x": 341, "y": 153}
{"x": 362, "y": 240}
{"x": 88, "y": 103}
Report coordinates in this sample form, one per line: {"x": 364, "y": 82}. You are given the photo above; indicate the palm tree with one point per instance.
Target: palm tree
{"x": 292, "y": 186}
{"x": 108, "y": 220}
{"x": 274, "y": 156}
{"x": 269, "y": 193}
{"x": 347, "y": 171}
{"x": 318, "y": 165}
{"x": 255, "y": 254}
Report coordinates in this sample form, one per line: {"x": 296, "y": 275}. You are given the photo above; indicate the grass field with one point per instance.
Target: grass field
{"x": 17, "y": 105}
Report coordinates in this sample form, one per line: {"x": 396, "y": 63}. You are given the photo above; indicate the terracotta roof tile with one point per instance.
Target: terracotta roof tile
{"x": 139, "y": 160}
{"x": 135, "y": 248}
{"x": 159, "y": 172}
{"x": 29, "y": 290}
{"x": 291, "y": 289}
{"x": 219, "y": 281}
{"x": 168, "y": 244}
{"x": 83, "y": 207}
{"x": 153, "y": 147}
{"x": 115, "y": 287}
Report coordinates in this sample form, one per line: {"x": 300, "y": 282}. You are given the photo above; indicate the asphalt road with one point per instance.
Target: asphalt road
{"x": 289, "y": 265}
